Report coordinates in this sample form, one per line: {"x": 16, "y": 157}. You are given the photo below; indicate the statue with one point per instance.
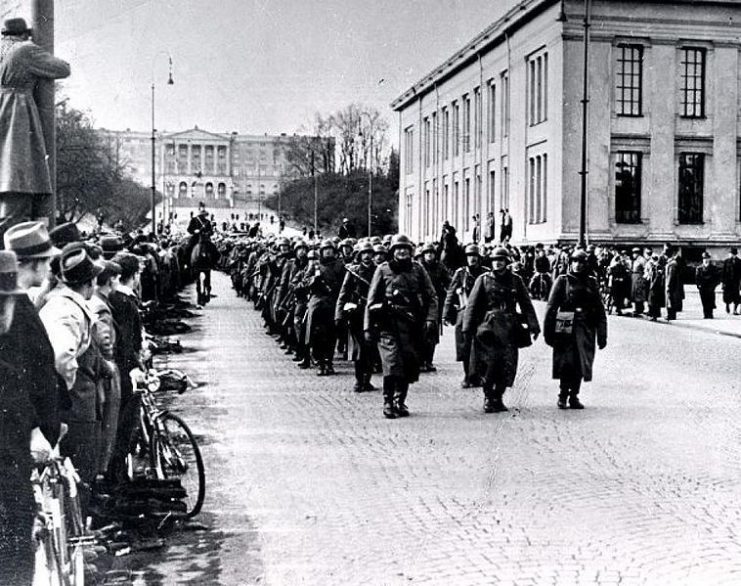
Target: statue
{"x": 25, "y": 184}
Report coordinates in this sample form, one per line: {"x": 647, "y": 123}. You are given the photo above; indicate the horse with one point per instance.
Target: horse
{"x": 203, "y": 258}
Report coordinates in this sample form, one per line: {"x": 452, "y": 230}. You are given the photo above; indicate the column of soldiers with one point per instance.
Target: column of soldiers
{"x": 388, "y": 300}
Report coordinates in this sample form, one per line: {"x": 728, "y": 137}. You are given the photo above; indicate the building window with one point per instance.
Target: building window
{"x": 456, "y": 203}
{"x": 183, "y": 189}
{"x": 505, "y": 103}
{"x": 409, "y": 151}
{"x": 456, "y": 129}
{"x": 221, "y": 170}
{"x": 504, "y": 192}
{"x": 446, "y": 134}
{"x": 538, "y": 187}
{"x": 466, "y": 123}
{"x": 426, "y": 141}
{"x": 446, "y": 199}
{"x": 628, "y": 171}
{"x": 693, "y": 83}
{"x": 467, "y": 203}
{"x": 221, "y": 190}
{"x": 195, "y": 159}
{"x": 492, "y": 190}
{"x": 183, "y": 158}
{"x": 691, "y": 178}
{"x": 209, "y": 158}
{"x": 629, "y": 80}
{"x": 538, "y": 89}
{"x": 477, "y": 117}
{"x": 492, "y": 111}
{"x": 435, "y": 138}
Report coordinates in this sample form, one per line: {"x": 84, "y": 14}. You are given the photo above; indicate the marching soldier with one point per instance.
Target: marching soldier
{"x": 379, "y": 254}
{"x": 323, "y": 280}
{"x": 491, "y": 316}
{"x": 350, "y": 310}
{"x": 402, "y": 305}
{"x": 301, "y": 300}
{"x": 440, "y": 281}
{"x": 456, "y": 301}
{"x": 707, "y": 277}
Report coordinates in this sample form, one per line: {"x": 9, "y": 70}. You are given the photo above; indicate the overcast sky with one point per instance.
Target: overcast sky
{"x": 254, "y": 66}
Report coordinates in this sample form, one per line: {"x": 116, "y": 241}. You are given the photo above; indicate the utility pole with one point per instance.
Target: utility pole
{"x": 585, "y": 111}
{"x": 316, "y": 194}
{"x": 42, "y": 17}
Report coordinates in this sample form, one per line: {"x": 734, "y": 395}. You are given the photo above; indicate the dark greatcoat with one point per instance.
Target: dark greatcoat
{"x": 574, "y": 355}
{"x": 707, "y": 279}
{"x": 673, "y": 285}
{"x": 456, "y": 298}
{"x": 655, "y": 280}
{"x": 400, "y": 343}
{"x": 126, "y": 314}
{"x": 324, "y": 283}
{"x": 637, "y": 280}
{"x": 731, "y": 279}
{"x": 355, "y": 291}
{"x": 491, "y": 316}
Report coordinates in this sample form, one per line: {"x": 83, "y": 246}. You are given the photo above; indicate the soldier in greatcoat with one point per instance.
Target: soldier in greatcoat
{"x": 638, "y": 282}
{"x": 440, "y": 278}
{"x": 350, "y": 311}
{"x": 456, "y": 301}
{"x": 577, "y": 295}
{"x": 402, "y": 306}
{"x": 25, "y": 183}
{"x": 707, "y": 277}
{"x": 323, "y": 279}
{"x": 491, "y": 316}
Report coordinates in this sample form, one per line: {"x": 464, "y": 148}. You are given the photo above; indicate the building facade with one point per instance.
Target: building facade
{"x": 227, "y": 170}
{"x": 499, "y": 126}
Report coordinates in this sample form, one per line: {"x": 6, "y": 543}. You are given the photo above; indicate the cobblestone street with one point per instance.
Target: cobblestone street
{"x": 309, "y": 484}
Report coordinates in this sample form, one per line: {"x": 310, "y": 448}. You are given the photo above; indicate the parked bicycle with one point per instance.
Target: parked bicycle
{"x": 156, "y": 443}
{"x": 62, "y": 533}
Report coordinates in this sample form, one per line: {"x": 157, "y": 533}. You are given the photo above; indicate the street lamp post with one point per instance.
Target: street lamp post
{"x": 154, "y": 144}
{"x": 370, "y": 189}
{"x": 585, "y": 110}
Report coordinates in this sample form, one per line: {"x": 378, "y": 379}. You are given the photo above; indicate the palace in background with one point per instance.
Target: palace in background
{"x": 499, "y": 125}
{"x": 224, "y": 170}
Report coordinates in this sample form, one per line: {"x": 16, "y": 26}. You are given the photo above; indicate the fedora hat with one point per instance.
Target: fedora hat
{"x": 15, "y": 27}
{"x": 64, "y": 234}
{"x": 30, "y": 240}
{"x": 111, "y": 245}
{"x": 76, "y": 266}
{"x": 9, "y": 273}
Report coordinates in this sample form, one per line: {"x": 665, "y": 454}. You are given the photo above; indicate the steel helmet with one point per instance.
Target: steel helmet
{"x": 400, "y": 240}
{"x": 473, "y": 250}
{"x": 500, "y": 253}
{"x": 327, "y": 243}
{"x": 427, "y": 247}
{"x": 300, "y": 244}
{"x": 365, "y": 247}
{"x": 379, "y": 249}
{"x": 347, "y": 242}
{"x": 283, "y": 241}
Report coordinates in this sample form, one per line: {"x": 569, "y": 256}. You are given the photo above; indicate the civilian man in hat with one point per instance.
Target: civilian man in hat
{"x": 638, "y": 282}
{"x": 707, "y": 277}
{"x": 106, "y": 335}
{"x": 27, "y": 344}
{"x": 65, "y": 234}
{"x": 25, "y": 184}
{"x": 125, "y": 309}
{"x": 69, "y": 323}
{"x": 673, "y": 284}
{"x": 18, "y": 417}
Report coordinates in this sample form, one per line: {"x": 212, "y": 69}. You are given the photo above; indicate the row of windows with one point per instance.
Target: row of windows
{"x": 629, "y": 81}
{"x": 538, "y": 189}
{"x": 537, "y": 73}
{"x": 628, "y": 187}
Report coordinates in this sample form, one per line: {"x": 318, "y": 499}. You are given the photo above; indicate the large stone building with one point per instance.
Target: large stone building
{"x": 229, "y": 170}
{"x": 498, "y": 125}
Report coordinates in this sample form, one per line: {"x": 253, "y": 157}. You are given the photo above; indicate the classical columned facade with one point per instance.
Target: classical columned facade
{"x": 499, "y": 126}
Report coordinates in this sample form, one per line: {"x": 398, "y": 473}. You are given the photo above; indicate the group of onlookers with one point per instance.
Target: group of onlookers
{"x": 70, "y": 333}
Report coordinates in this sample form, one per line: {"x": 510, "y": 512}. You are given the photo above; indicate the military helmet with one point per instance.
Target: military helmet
{"x": 400, "y": 240}
{"x": 376, "y": 240}
{"x": 427, "y": 247}
{"x": 379, "y": 249}
{"x": 328, "y": 243}
{"x": 364, "y": 247}
{"x": 579, "y": 254}
{"x": 283, "y": 241}
{"x": 500, "y": 253}
{"x": 347, "y": 242}
{"x": 300, "y": 244}
{"x": 473, "y": 249}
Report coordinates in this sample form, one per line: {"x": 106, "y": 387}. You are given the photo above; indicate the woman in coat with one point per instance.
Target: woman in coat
{"x": 491, "y": 315}
{"x": 24, "y": 173}
{"x": 576, "y": 295}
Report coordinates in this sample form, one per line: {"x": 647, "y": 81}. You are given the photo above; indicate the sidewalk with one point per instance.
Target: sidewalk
{"x": 691, "y": 317}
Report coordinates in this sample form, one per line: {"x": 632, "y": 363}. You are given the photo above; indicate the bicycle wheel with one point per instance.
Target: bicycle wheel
{"x": 176, "y": 455}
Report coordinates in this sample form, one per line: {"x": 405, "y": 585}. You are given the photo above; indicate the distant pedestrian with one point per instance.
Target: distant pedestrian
{"x": 673, "y": 285}
{"x": 707, "y": 277}
{"x": 731, "y": 279}
{"x": 506, "y": 235}
{"x": 574, "y": 317}
{"x": 347, "y": 230}
{"x": 490, "y": 228}
{"x": 638, "y": 282}
{"x": 476, "y": 234}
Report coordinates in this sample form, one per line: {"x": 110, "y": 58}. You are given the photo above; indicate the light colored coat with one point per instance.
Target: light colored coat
{"x": 23, "y": 166}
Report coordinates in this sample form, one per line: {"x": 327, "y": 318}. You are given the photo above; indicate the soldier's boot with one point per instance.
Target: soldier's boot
{"x": 465, "y": 383}
{"x": 367, "y": 384}
{"x": 329, "y": 367}
{"x": 359, "y": 386}
{"x": 400, "y": 398}
{"x": 499, "y": 406}
{"x": 321, "y": 367}
{"x": 563, "y": 394}
{"x": 388, "y": 398}
{"x": 306, "y": 362}
{"x": 574, "y": 401}
{"x": 488, "y": 400}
